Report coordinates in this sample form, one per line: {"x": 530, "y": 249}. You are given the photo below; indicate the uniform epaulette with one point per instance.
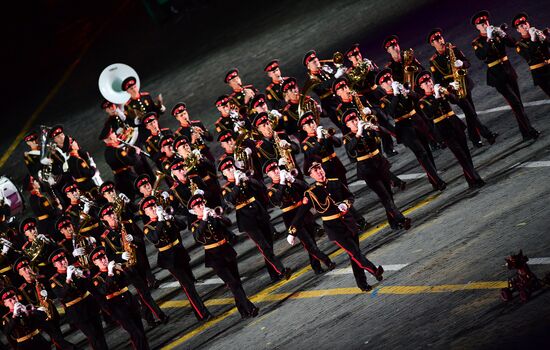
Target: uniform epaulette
{"x": 259, "y": 143}
{"x": 307, "y": 138}
{"x": 332, "y": 179}
{"x": 144, "y": 93}
{"x": 22, "y": 286}
{"x": 434, "y": 56}
{"x": 270, "y": 86}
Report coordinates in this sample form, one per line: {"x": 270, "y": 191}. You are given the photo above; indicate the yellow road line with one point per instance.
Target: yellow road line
{"x": 264, "y": 295}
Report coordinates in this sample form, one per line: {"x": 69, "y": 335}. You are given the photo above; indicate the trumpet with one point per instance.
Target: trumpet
{"x": 540, "y": 34}
{"x": 328, "y": 132}
{"x": 499, "y": 31}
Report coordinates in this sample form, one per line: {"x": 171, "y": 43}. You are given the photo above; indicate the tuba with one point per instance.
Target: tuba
{"x": 459, "y": 74}
{"x": 409, "y": 69}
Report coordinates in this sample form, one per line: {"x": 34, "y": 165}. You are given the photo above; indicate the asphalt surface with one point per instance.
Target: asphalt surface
{"x": 443, "y": 291}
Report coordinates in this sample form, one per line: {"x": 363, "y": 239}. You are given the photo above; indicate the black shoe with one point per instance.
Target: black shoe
{"x": 364, "y": 225}
{"x": 402, "y": 185}
{"x": 440, "y": 186}
{"x": 477, "y": 144}
{"x": 533, "y": 135}
{"x": 492, "y": 138}
{"x": 379, "y": 272}
{"x": 319, "y": 231}
{"x": 286, "y": 273}
{"x": 366, "y": 288}
{"x": 164, "y": 319}
{"x": 331, "y": 266}
{"x": 391, "y": 153}
{"x": 478, "y": 184}
{"x": 319, "y": 272}
{"x": 255, "y": 311}
{"x": 406, "y": 223}
{"x": 207, "y": 317}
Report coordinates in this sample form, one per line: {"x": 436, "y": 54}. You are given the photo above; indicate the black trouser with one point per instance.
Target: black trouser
{"x": 387, "y": 140}
{"x": 53, "y": 329}
{"x": 476, "y": 128}
{"x": 419, "y": 145}
{"x": 124, "y": 309}
{"x": 149, "y": 306}
{"x": 181, "y": 274}
{"x": 263, "y": 238}
{"x": 510, "y": 91}
{"x": 458, "y": 145}
{"x": 545, "y": 86}
{"x": 143, "y": 265}
{"x": 93, "y": 330}
{"x": 228, "y": 271}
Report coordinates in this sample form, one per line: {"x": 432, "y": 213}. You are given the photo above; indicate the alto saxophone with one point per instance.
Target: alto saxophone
{"x": 370, "y": 118}
{"x": 409, "y": 68}
{"x": 459, "y": 74}
{"x": 42, "y": 300}
{"x": 128, "y": 246}
{"x": 286, "y": 153}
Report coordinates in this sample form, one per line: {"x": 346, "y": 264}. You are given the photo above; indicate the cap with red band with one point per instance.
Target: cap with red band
{"x": 520, "y": 18}
{"x": 349, "y": 114}
{"x": 56, "y": 130}
{"x": 270, "y": 165}
{"x": 225, "y": 163}
{"x": 339, "y": 84}
{"x": 423, "y": 77}
{"x": 307, "y": 117}
{"x": 310, "y": 55}
{"x": 148, "y": 202}
{"x": 128, "y": 83}
{"x": 63, "y": 221}
{"x": 222, "y": 100}
{"x": 353, "y": 50}
{"x": 226, "y": 135}
{"x": 480, "y": 17}
{"x": 180, "y": 141}
{"x": 106, "y": 210}
{"x": 261, "y": 118}
{"x": 231, "y": 74}
{"x": 149, "y": 117}
{"x": 178, "y": 108}
{"x": 259, "y": 99}
{"x": 142, "y": 180}
{"x": 27, "y": 224}
{"x": 57, "y": 255}
{"x": 107, "y": 186}
{"x": 8, "y": 292}
{"x": 177, "y": 164}
{"x": 31, "y": 136}
{"x": 97, "y": 253}
{"x": 20, "y": 262}
{"x": 384, "y": 75}
{"x": 288, "y": 84}
{"x": 392, "y": 40}
{"x": 195, "y": 200}
{"x": 271, "y": 66}
{"x": 434, "y": 34}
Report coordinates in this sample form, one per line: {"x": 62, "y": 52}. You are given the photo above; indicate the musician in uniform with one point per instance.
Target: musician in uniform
{"x": 184, "y": 188}
{"x": 287, "y": 193}
{"x": 34, "y": 292}
{"x": 110, "y": 287}
{"x": 442, "y": 69}
{"x": 533, "y": 47}
{"x": 161, "y": 231}
{"x": 194, "y": 130}
{"x": 332, "y": 199}
{"x": 411, "y": 127}
{"x": 228, "y": 141}
{"x": 132, "y": 257}
{"x": 490, "y": 48}
{"x": 259, "y": 105}
{"x": 83, "y": 170}
{"x": 273, "y": 91}
{"x": 22, "y": 325}
{"x": 449, "y": 128}
{"x": 211, "y": 230}
{"x": 65, "y": 227}
{"x": 229, "y": 115}
{"x": 292, "y": 110}
{"x": 241, "y": 94}
{"x": 38, "y": 246}
{"x": 248, "y": 197}
{"x": 152, "y": 144}
{"x": 71, "y": 288}
{"x": 83, "y": 211}
{"x": 45, "y": 210}
{"x": 362, "y": 73}
{"x": 362, "y": 146}
{"x": 396, "y": 62}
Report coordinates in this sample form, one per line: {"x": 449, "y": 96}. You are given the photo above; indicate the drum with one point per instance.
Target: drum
{"x": 10, "y": 194}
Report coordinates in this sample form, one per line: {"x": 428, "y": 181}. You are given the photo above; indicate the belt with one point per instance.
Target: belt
{"x": 117, "y": 293}
{"x": 329, "y": 157}
{"x": 245, "y": 203}
{"x": 325, "y": 95}
{"x": 81, "y": 179}
{"x": 206, "y": 178}
{"x": 89, "y": 228}
{"x": 43, "y": 217}
{"x": 202, "y": 146}
{"x": 28, "y": 336}
{"x": 166, "y": 247}
{"x": 369, "y": 155}
{"x": 215, "y": 245}
{"x": 77, "y": 300}
{"x": 444, "y": 116}
{"x": 499, "y": 61}
{"x": 538, "y": 65}
{"x": 118, "y": 171}
{"x": 408, "y": 115}
{"x": 332, "y": 217}
{"x": 374, "y": 87}
{"x": 5, "y": 269}
{"x": 291, "y": 207}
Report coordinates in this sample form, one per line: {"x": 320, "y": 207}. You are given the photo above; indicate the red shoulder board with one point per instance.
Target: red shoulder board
{"x": 259, "y": 143}
{"x": 144, "y": 93}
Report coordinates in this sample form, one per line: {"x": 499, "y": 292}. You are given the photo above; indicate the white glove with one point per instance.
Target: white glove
{"x": 289, "y": 178}
{"x": 319, "y": 132}
{"x": 70, "y": 271}
{"x": 165, "y": 195}
{"x": 162, "y": 108}
{"x": 92, "y": 162}
{"x": 5, "y": 249}
{"x": 44, "y": 293}
{"x": 237, "y": 175}
{"x": 248, "y": 151}
{"x": 41, "y": 308}
{"x": 284, "y": 144}
{"x": 360, "y": 128}
{"x": 160, "y": 213}
{"x": 120, "y": 114}
{"x": 233, "y": 114}
{"x": 91, "y": 240}
{"x": 18, "y": 309}
{"x": 78, "y": 252}
{"x": 276, "y": 113}
{"x": 110, "y": 268}
{"x": 454, "y": 85}
{"x": 458, "y": 63}
{"x": 366, "y": 111}
{"x": 396, "y": 87}
{"x": 291, "y": 239}
{"x": 239, "y": 164}
{"x": 197, "y": 153}
{"x": 499, "y": 32}
{"x": 343, "y": 207}
{"x": 125, "y": 256}
{"x": 124, "y": 198}
{"x": 137, "y": 121}
{"x": 341, "y": 71}
{"x": 129, "y": 238}
{"x": 198, "y": 191}
{"x": 282, "y": 177}
{"x": 86, "y": 208}
{"x": 206, "y": 212}
{"x": 282, "y": 161}
{"x": 489, "y": 32}
{"x": 78, "y": 273}
{"x": 327, "y": 69}
{"x": 436, "y": 91}
{"x": 46, "y": 161}
{"x": 119, "y": 131}
{"x": 41, "y": 237}
{"x": 369, "y": 63}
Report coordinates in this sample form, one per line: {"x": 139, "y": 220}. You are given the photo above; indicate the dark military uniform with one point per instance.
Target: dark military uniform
{"x": 138, "y": 108}
{"x": 274, "y": 95}
{"x": 82, "y": 172}
{"x": 201, "y": 143}
{"x": 152, "y": 145}
{"x": 182, "y": 193}
{"x": 502, "y": 76}
{"x": 398, "y": 68}
{"x": 289, "y": 121}
{"x": 214, "y": 235}
{"x": 340, "y": 227}
{"x": 45, "y": 212}
{"x": 121, "y": 161}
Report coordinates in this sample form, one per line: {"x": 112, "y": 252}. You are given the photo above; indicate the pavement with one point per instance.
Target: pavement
{"x": 441, "y": 288}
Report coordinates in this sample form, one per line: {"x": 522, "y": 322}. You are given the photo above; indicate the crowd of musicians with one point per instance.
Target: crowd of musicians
{"x": 85, "y": 244}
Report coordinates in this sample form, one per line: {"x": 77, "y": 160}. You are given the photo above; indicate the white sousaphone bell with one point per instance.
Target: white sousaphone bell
{"x": 110, "y": 86}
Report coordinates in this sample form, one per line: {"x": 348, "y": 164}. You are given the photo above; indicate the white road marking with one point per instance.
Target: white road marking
{"x": 539, "y": 164}
{"x": 538, "y": 261}
{"x": 507, "y": 108}
{"x": 204, "y": 282}
{"x": 348, "y": 270}
{"x": 411, "y": 176}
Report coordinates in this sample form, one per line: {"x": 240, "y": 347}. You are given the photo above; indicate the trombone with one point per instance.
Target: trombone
{"x": 337, "y": 59}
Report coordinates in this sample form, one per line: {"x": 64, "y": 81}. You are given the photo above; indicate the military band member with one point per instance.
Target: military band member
{"x": 83, "y": 170}
{"x": 83, "y": 211}
{"x": 440, "y": 65}
{"x": 533, "y": 47}
{"x": 38, "y": 246}
{"x": 121, "y": 160}
{"x": 211, "y": 230}
{"x": 110, "y": 195}
{"x": 362, "y": 146}
{"x": 248, "y": 197}
{"x": 22, "y": 324}
{"x": 168, "y": 154}
{"x": 490, "y": 48}
{"x": 362, "y": 73}
{"x": 228, "y": 141}
{"x": 396, "y": 62}
{"x": 229, "y": 115}
{"x": 273, "y": 91}
{"x": 241, "y": 95}
{"x": 291, "y": 111}
{"x": 110, "y": 286}
{"x": 71, "y": 288}
{"x": 287, "y": 193}
{"x": 332, "y": 199}
{"x": 258, "y": 105}
{"x": 64, "y": 225}
{"x": 133, "y": 261}
{"x": 45, "y": 210}
{"x": 411, "y": 128}
{"x": 184, "y": 188}
{"x": 161, "y": 231}
{"x": 152, "y": 144}
{"x": 194, "y": 130}
{"x": 11, "y": 243}
{"x": 116, "y": 118}
{"x": 34, "y": 292}
{"x": 61, "y": 139}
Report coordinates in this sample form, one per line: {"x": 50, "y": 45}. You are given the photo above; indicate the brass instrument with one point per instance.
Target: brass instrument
{"x": 80, "y": 241}
{"x": 409, "y": 69}
{"x": 128, "y": 246}
{"x": 164, "y": 203}
{"x": 286, "y": 153}
{"x": 192, "y": 160}
{"x": 359, "y": 73}
{"x": 47, "y": 148}
{"x": 240, "y": 153}
{"x": 43, "y": 301}
{"x": 370, "y": 118}
{"x": 35, "y": 249}
{"x": 337, "y": 59}
{"x": 328, "y": 132}
{"x": 459, "y": 74}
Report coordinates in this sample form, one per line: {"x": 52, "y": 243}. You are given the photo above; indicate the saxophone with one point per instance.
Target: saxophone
{"x": 409, "y": 68}
{"x": 370, "y": 118}
{"x": 42, "y": 300}
{"x": 128, "y": 246}
{"x": 459, "y": 74}
{"x": 286, "y": 153}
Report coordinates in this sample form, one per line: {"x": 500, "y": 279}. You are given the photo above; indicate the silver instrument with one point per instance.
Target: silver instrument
{"x": 110, "y": 82}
